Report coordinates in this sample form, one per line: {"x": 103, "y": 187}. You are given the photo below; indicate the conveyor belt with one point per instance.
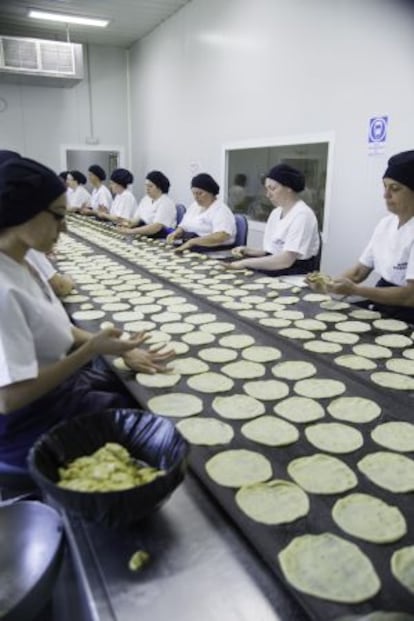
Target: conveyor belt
{"x": 268, "y": 540}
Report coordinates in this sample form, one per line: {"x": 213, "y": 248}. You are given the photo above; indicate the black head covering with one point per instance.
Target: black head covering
{"x": 78, "y": 176}
{"x": 122, "y": 176}
{"x": 401, "y": 168}
{"x": 26, "y": 188}
{"x": 288, "y": 176}
{"x": 160, "y": 180}
{"x": 6, "y": 155}
{"x": 99, "y": 172}
{"x": 64, "y": 174}
{"x": 204, "y": 181}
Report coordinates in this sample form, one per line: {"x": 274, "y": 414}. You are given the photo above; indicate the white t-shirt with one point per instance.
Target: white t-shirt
{"x": 162, "y": 211}
{"x": 124, "y": 205}
{"x": 214, "y": 219}
{"x": 34, "y": 328}
{"x": 390, "y": 252}
{"x": 40, "y": 262}
{"x": 101, "y": 196}
{"x": 80, "y": 197}
{"x": 296, "y": 232}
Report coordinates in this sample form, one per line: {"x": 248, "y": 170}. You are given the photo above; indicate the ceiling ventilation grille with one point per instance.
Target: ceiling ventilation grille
{"x": 36, "y": 61}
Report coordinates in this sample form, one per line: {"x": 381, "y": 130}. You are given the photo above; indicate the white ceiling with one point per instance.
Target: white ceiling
{"x": 129, "y": 19}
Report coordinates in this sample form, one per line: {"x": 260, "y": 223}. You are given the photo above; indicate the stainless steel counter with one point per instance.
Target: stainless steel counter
{"x": 201, "y": 568}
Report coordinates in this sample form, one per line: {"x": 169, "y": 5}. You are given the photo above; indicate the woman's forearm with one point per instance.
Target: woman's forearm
{"x": 269, "y": 262}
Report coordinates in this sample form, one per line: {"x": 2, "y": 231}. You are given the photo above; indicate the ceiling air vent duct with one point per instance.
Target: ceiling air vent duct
{"x": 39, "y": 62}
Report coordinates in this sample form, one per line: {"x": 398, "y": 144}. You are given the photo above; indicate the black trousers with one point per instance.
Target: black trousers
{"x": 405, "y": 313}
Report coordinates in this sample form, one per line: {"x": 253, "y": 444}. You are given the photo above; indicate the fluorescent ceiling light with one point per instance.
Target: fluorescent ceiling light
{"x": 69, "y": 19}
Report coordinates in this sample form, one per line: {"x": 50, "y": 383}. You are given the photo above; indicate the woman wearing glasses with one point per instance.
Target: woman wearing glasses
{"x": 45, "y": 361}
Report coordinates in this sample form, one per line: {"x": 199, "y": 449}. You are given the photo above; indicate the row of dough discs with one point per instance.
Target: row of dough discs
{"x": 136, "y": 302}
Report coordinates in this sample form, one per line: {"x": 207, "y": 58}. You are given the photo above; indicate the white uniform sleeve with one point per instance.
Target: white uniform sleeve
{"x": 300, "y": 234}
{"x": 224, "y": 220}
{"x": 17, "y": 350}
{"x": 104, "y": 197}
{"x": 166, "y": 213}
{"x": 41, "y": 263}
{"x": 367, "y": 257}
{"x": 188, "y": 217}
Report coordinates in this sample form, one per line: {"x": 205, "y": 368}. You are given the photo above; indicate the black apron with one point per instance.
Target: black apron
{"x": 300, "y": 266}
{"x": 89, "y": 390}
{"x": 404, "y": 313}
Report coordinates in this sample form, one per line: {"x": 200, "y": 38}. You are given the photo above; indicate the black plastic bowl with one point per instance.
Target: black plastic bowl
{"x": 147, "y": 437}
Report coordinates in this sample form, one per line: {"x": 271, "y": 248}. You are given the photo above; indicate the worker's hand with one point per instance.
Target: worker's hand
{"x": 318, "y": 282}
{"x": 149, "y": 361}
{"x": 172, "y": 237}
{"x": 109, "y": 342}
{"x": 123, "y": 230}
{"x": 238, "y": 251}
{"x": 342, "y": 286}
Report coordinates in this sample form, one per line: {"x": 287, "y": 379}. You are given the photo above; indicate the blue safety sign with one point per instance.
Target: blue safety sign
{"x": 378, "y": 127}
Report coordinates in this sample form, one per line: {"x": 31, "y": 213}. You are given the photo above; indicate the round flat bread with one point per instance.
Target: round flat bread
{"x": 86, "y": 306}
{"x": 376, "y": 352}
{"x": 299, "y": 409}
{"x": 395, "y": 435}
{"x": 116, "y": 306}
{"x": 157, "y": 337}
{"x": 274, "y": 502}
{"x": 127, "y": 316}
{"x": 270, "y": 431}
{"x": 272, "y": 322}
{"x": 357, "y": 363}
{"x": 252, "y": 314}
{"x": 201, "y": 318}
{"x": 254, "y": 299}
{"x": 292, "y": 315}
{"x": 238, "y": 467}
{"x": 166, "y": 317}
{"x": 181, "y": 308}
{"x": 391, "y": 471}
{"x": 365, "y": 313}
{"x": 334, "y": 305}
{"x": 236, "y": 341}
{"x": 394, "y": 340}
{"x": 175, "y": 404}
{"x": 316, "y": 297}
{"x": 329, "y": 567}
{"x": 177, "y": 328}
{"x": 402, "y": 567}
{"x": 259, "y": 353}
{"x": 198, "y": 338}
{"x": 139, "y": 326}
{"x": 205, "y": 431}
{"x": 75, "y": 298}
{"x": 141, "y": 300}
{"x": 390, "y": 325}
{"x": 271, "y": 307}
{"x": 88, "y": 315}
{"x": 344, "y": 338}
{"x": 353, "y": 326}
{"x": 217, "y": 354}
{"x": 331, "y": 317}
{"x": 322, "y": 474}
{"x": 334, "y": 437}
{"x": 293, "y": 369}
{"x": 296, "y": 333}
{"x": 369, "y": 518}
{"x": 288, "y": 299}
{"x": 210, "y": 382}
{"x": 400, "y": 365}
{"x": 354, "y": 409}
{"x": 408, "y": 353}
{"x": 310, "y": 324}
{"x": 119, "y": 364}
{"x": 218, "y": 327}
{"x": 237, "y": 306}
{"x": 189, "y": 366}
{"x": 319, "y": 388}
{"x": 177, "y": 347}
{"x": 157, "y": 380}
{"x": 386, "y": 379}
{"x": 238, "y": 407}
{"x": 322, "y": 347}
{"x": 244, "y": 369}
{"x": 266, "y": 390}
{"x": 147, "y": 309}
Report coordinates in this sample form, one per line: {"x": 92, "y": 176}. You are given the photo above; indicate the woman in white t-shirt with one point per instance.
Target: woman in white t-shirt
{"x": 124, "y": 204}
{"x": 208, "y": 222}
{"x": 79, "y": 197}
{"x": 390, "y": 252}
{"x": 46, "y": 373}
{"x": 291, "y": 239}
{"x": 101, "y": 197}
{"x": 156, "y": 215}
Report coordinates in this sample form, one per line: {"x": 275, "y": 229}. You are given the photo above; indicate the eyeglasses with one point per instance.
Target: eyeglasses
{"x": 59, "y": 217}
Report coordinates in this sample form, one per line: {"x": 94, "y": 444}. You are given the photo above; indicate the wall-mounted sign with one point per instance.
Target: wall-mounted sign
{"x": 377, "y": 134}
